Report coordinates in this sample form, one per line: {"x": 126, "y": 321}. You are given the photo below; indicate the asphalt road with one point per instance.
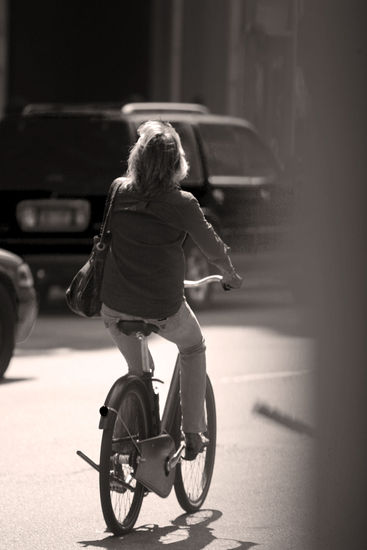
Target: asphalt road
{"x": 260, "y": 359}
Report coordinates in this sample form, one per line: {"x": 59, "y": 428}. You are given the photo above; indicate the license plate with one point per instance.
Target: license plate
{"x": 54, "y": 215}
{"x": 55, "y": 219}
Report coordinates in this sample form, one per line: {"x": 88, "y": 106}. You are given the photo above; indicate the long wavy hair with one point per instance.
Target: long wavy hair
{"x": 157, "y": 161}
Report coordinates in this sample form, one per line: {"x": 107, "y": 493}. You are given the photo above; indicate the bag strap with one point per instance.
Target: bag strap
{"x": 107, "y": 209}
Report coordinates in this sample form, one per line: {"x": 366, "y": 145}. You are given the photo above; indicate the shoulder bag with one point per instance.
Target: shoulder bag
{"x": 83, "y": 294}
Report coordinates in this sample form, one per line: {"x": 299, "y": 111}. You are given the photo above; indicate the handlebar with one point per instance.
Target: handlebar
{"x": 204, "y": 281}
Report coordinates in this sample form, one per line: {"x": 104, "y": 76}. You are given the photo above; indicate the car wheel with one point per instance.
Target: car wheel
{"x": 197, "y": 267}
{"x": 7, "y": 329}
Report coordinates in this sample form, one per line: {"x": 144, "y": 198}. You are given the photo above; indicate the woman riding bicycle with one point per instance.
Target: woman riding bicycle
{"x": 145, "y": 266}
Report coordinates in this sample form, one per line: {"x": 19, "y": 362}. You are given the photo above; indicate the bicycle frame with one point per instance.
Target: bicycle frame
{"x": 164, "y": 423}
{"x": 171, "y": 401}
{"x": 169, "y": 411}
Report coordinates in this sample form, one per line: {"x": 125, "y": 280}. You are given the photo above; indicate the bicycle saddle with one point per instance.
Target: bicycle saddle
{"x": 132, "y": 327}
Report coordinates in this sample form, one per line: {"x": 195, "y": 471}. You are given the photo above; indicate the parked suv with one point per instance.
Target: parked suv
{"x": 57, "y": 162}
{"x": 18, "y": 305}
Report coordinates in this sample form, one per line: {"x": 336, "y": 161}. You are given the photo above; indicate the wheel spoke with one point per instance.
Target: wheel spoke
{"x": 193, "y": 475}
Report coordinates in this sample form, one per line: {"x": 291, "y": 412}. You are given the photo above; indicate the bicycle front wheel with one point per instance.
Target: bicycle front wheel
{"x": 121, "y": 495}
{"x": 193, "y": 477}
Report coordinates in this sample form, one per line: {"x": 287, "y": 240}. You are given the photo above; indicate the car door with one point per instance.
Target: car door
{"x": 243, "y": 173}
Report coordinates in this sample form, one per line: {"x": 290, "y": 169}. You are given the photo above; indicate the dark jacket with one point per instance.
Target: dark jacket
{"x": 145, "y": 266}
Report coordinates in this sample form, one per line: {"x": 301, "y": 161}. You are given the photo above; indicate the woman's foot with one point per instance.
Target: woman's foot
{"x": 195, "y": 444}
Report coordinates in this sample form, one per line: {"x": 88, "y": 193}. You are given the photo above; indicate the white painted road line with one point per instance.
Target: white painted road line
{"x": 253, "y": 377}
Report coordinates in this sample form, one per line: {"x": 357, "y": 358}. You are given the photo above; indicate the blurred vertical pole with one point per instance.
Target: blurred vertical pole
{"x": 235, "y": 59}
{"x": 333, "y": 56}
{"x": 3, "y": 54}
{"x": 176, "y": 49}
{"x": 292, "y": 107}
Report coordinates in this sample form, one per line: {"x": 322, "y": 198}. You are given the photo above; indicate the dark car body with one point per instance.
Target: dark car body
{"x": 18, "y": 304}
{"x": 57, "y": 163}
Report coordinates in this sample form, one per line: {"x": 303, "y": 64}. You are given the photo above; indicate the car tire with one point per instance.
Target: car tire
{"x": 197, "y": 267}
{"x": 7, "y": 328}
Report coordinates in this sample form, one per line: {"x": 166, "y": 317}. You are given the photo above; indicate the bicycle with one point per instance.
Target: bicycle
{"x": 142, "y": 452}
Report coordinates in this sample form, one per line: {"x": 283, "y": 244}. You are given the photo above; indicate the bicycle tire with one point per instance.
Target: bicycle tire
{"x": 121, "y": 506}
{"x": 7, "y": 328}
{"x": 193, "y": 478}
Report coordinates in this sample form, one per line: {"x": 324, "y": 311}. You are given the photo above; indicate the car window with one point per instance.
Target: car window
{"x": 62, "y": 154}
{"x": 189, "y": 144}
{"x": 235, "y": 151}
{"x": 257, "y": 160}
{"x": 221, "y": 149}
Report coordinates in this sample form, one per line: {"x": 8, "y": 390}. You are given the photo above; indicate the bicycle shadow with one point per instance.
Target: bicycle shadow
{"x": 186, "y": 532}
{"x": 13, "y": 379}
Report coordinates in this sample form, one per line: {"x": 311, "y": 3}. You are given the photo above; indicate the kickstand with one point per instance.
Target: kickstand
{"x": 88, "y": 460}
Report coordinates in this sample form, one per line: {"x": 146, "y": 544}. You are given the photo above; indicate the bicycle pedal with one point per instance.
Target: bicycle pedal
{"x": 157, "y": 380}
{"x": 117, "y": 487}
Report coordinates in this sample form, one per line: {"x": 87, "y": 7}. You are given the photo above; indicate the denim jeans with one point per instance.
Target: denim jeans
{"x": 182, "y": 329}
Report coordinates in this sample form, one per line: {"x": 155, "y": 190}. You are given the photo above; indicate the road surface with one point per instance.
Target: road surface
{"x": 260, "y": 358}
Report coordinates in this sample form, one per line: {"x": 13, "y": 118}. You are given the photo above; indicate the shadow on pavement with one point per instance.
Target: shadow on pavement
{"x": 12, "y": 380}
{"x": 58, "y": 328}
{"x": 186, "y": 532}
{"x": 283, "y": 419}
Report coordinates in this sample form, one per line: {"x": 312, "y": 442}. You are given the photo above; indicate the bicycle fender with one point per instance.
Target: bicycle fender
{"x": 113, "y": 398}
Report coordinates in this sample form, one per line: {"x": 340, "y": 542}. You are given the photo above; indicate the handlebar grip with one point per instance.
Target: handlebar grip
{"x": 204, "y": 281}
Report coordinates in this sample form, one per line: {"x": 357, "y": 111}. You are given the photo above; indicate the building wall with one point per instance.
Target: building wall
{"x": 77, "y": 51}
{"x": 205, "y": 53}
{"x": 235, "y": 56}
{"x": 190, "y": 52}
{"x": 161, "y": 52}
{"x": 270, "y": 70}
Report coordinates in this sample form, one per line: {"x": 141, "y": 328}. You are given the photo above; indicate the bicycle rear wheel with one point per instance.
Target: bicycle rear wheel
{"x": 121, "y": 495}
{"x": 193, "y": 478}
